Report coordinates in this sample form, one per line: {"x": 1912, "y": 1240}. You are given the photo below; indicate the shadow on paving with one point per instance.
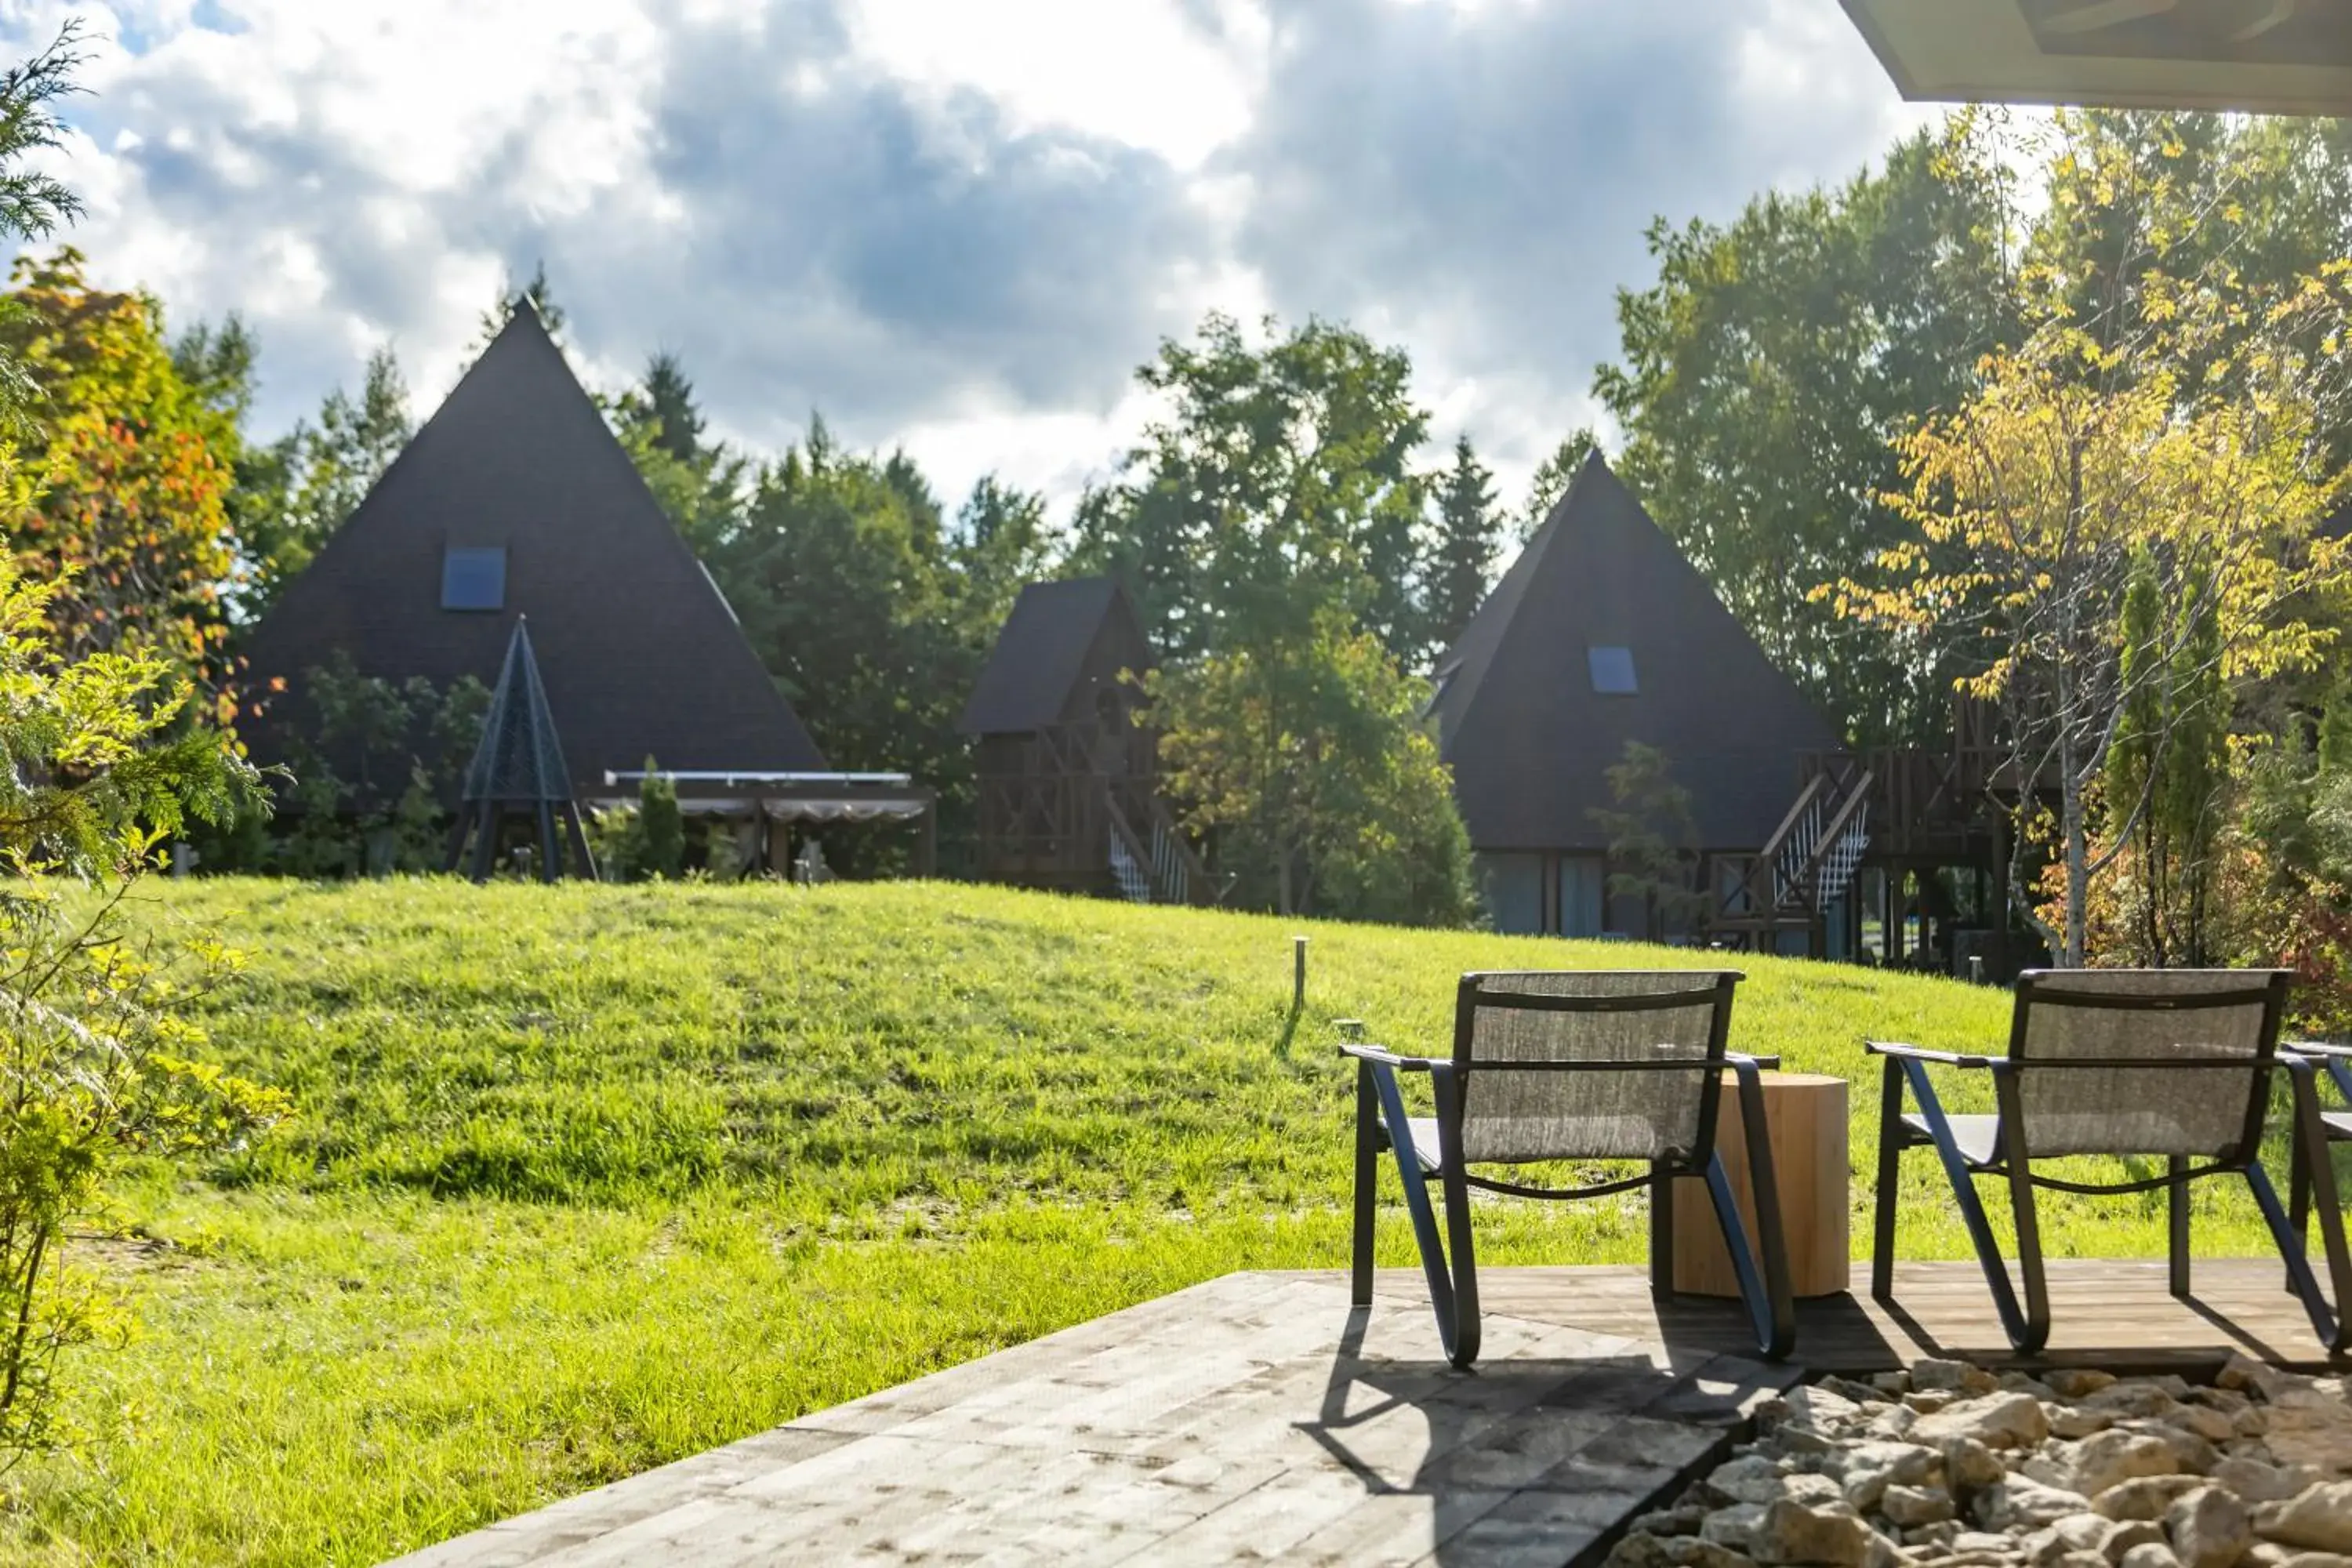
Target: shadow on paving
{"x": 1532, "y": 1458}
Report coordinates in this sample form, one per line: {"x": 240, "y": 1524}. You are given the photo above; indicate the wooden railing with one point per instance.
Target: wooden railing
{"x": 1807, "y": 863}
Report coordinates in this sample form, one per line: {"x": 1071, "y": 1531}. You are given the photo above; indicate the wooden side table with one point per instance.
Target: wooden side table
{"x": 1805, "y": 1117}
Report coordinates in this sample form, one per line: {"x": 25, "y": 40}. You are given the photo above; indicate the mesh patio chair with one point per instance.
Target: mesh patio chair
{"x": 1569, "y": 1065}
{"x": 2333, "y": 1061}
{"x": 2137, "y": 1063}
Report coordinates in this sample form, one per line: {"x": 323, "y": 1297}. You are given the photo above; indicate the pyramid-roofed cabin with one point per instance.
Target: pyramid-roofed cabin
{"x": 1068, "y": 784}
{"x": 1600, "y": 634}
{"x": 515, "y": 498}
{"x": 1059, "y": 658}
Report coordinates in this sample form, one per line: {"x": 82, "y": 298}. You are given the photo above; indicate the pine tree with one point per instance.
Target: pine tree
{"x": 670, "y": 402}
{"x": 1467, "y": 533}
{"x": 660, "y": 823}
{"x": 2336, "y": 730}
{"x": 2196, "y": 767}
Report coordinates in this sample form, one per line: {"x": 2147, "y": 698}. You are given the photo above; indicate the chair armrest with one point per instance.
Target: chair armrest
{"x": 1382, "y": 1057}
{"x": 1921, "y": 1054}
{"x": 2316, "y": 1048}
{"x": 1761, "y": 1064}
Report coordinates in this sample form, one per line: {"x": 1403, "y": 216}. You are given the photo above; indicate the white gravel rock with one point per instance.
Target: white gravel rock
{"x": 2317, "y": 1519}
{"x": 2209, "y": 1528}
{"x": 1996, "y": 1420}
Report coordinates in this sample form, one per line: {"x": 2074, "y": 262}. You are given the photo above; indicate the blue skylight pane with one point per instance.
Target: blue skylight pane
{"x": 1612, "y": 670}
{"x": 473, "y": 578}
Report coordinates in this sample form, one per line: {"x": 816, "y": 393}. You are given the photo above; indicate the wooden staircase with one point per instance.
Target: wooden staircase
{"x": 1154, "y": 864}
{"x": 1804, "y": 867}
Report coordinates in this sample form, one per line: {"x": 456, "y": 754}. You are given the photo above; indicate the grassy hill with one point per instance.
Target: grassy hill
{"x": 587, "y": 1179}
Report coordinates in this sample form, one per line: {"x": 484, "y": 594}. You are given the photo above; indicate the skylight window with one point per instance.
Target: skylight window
{"x": 1612, "y": 671}
{"x": 474, "y": 577}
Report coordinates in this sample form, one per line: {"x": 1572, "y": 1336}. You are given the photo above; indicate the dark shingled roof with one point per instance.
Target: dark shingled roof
{"x": 1058, "y": 638}
{"x": 639, "y": 653}
{"x": 520, "y": 757}
{"x": 1530, "y": 738}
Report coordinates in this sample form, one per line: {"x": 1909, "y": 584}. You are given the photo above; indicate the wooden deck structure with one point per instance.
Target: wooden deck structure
{"x": 1256, "y": 1417}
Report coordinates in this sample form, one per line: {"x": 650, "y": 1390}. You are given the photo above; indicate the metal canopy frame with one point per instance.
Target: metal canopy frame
{"x": 786, "y": 797}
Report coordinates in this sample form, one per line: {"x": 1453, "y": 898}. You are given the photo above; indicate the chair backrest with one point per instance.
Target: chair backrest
{"x": 2159, "y": 1017}
{"x": 1650, "y": 1017}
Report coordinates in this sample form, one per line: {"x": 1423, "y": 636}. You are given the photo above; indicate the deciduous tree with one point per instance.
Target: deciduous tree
{"x": 131, "y": 467}
{"x": 1281, "y": 481}
{"x": 2073, "y": 461}
{"x": 1301, "y": 758}
{"x": 1763, "y": 378}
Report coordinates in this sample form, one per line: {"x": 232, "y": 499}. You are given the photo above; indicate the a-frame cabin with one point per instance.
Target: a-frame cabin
{"x": 1068, "y": 770}
{"x": 1600, "y": 634}
{"x": 516, "y": 498}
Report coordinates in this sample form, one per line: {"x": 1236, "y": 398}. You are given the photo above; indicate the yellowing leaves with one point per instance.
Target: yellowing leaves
{"x": 127, "y": 482}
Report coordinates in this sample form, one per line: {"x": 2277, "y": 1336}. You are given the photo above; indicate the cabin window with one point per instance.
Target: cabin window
{"x": 474, "y": 577}
{"x": 1612, "y": 670}
{"x": 1583, "y": 887}
{"x": 1515, "y": 892}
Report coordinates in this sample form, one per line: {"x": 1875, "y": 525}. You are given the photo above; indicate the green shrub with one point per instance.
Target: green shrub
{"x": 98, "y": 1065}
{"x": 661, "y": 829}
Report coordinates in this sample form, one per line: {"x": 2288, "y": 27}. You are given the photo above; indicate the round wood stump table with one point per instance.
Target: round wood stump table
{"x": 1805, "y": 1116}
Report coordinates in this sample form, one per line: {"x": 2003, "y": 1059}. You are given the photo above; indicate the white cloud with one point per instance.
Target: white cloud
{"x": 952, "y": 226}
{"x": 1140, "y": 72}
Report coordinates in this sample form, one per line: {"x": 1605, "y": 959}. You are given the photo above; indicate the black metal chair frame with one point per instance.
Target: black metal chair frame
{"x": 2335, "y": 1062}
{"x": 2028, "y": 1326}
{"x": 1381, "y": 1124}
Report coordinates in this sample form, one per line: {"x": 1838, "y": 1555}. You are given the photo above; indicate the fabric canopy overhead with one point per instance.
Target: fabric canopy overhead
{"x": 2265, "y": 57}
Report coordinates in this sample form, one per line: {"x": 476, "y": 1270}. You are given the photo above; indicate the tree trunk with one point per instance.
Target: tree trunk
{"x": 2074, "y": 834}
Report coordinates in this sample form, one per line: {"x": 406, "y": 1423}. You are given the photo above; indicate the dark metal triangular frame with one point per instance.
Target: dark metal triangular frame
{"x": 517, "y": 769}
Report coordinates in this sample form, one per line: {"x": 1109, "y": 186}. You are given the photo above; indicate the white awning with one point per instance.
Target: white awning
{"x": 2261, "y": 56}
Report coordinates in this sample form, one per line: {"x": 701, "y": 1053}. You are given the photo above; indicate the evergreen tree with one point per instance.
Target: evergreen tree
{"x": 2134, "y": 755}
{"x": 1653, "y": 838}
{"x": 1464, "y": 558}
{"x": 668, "y": 398}
{"x": 703, "y": 486}
{"x": 2336, "y": 730}
{"x": 2196, "y": 770}
{"x": 535, "y": 295}
{"x": 1553, "y": 476}
{"x": 661, "y": 829}
{"x": 292, "y": 495}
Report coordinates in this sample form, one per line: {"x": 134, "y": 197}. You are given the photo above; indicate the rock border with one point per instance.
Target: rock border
{"x": 1949, "y": 1464}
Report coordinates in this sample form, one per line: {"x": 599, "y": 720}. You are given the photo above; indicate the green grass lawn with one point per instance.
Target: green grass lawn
{"x": 585, "y": 1179}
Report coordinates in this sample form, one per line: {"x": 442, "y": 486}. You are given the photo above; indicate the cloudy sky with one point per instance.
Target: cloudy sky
{"x": 951, "y": 224}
